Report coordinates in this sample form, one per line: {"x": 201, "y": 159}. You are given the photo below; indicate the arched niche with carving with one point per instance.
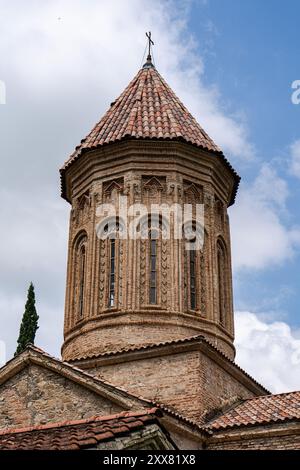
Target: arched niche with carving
{"x": 80, "y": 246}
{"x": 222, "y": 282}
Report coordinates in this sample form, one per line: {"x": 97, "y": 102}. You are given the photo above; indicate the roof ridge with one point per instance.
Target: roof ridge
{"x": 80, "y": 371}
{"x": 138, "y": 348}
{"x": 271, "y": 395}
{"x": 166, "y": 343}
{"x": 222, "y": 427}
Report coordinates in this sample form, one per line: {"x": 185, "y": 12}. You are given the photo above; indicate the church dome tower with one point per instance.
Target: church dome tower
{"x": 133, "y": 278}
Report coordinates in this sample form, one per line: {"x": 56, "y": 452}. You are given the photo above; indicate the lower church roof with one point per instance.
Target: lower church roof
{"x": 261, "y": 410}
{"x": 80, "y": 434}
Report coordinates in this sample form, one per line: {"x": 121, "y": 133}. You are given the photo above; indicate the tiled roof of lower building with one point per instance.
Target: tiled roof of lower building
{"x": 259, "y": 410}
{"x": 75, "y": 435}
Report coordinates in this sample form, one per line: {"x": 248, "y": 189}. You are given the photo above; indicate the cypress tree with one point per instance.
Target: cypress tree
{"x": 29, "y": 324}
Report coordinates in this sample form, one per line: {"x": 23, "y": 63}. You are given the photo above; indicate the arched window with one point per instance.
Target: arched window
{"x": 110, "y": 232}
{"x": 221, "y": 272}
{"x": 155, "y": 235}
{"x": 81, "y": 279}
{"x": 153, "y": 230}
{"x": 150, "y": 230}
{"x": 153, "y": 243}
{"x": 112, "y": 272}
{"x": 193, "y": 280}
{"x": 79, "y": 287}
{"x": 193, "y": 240}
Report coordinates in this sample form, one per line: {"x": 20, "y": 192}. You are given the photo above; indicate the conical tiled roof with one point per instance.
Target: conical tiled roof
{"x": 147, "y": 109}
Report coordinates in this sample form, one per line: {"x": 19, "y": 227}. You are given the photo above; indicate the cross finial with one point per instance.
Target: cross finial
{"x": 149, "y": 58}
{"x": 150, "y": 43}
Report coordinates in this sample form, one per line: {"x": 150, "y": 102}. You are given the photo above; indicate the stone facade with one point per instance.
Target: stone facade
{"x": 48, "y": 397}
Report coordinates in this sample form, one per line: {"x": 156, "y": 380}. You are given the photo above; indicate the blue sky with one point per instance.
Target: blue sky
{"x": 232, "y": 62}
{"x": 250, "y": 49}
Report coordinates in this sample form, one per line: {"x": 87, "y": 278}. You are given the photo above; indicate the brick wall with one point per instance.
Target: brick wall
{"x": 190, "y": 381}
{"x": 169, "y": 173}
{"x": 106, "y": 334}
{"x": 38, "y": 396}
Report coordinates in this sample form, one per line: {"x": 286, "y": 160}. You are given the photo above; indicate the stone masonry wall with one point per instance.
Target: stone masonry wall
{"x": 39, "y": 396}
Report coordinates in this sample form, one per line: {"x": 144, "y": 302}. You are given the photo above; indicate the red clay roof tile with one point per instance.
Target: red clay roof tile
{"x": 259, "y": 410}
{"x": 76, "y": 434}
{"x": 147, "y": 109}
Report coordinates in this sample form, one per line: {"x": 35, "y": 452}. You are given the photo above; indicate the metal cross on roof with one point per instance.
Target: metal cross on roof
{"x": 150, "y": 43}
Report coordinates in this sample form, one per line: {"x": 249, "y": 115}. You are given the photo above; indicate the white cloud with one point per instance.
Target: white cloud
{"x": 33, "y": 248}
{"x": 261, "y": 236}
{"x": 204, "y": 103}
{"x": 295, "y": 159}
{"x": 270, "y": 352}
{"x": 270, "y": 188}
{"x": 57, "y": 48}
{"x": 63, "y": 63}
{"x": 2, "y": 353}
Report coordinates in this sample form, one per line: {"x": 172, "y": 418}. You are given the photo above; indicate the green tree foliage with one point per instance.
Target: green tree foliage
{"x": 29, "y": 323}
